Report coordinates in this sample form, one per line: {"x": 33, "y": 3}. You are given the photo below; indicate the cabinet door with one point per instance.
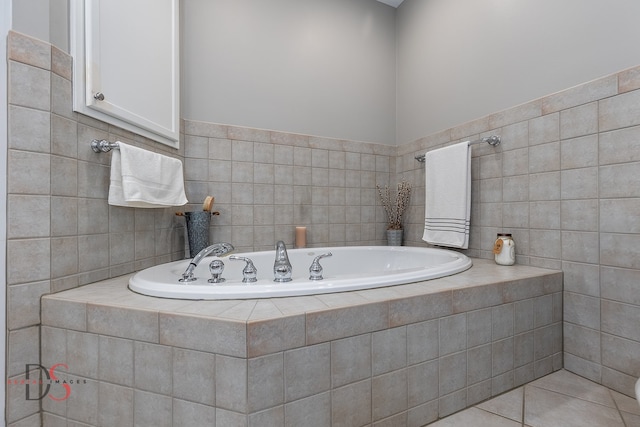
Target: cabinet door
{"x": 126, "y": 64}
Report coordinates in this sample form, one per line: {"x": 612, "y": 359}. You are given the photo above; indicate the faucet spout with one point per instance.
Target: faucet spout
{"x": 217, "y": 249}
{"x": 281, "y": 267}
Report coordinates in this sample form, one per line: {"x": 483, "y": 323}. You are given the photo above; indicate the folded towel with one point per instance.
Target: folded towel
{"x": 143, "y": 179}
{"x": 448, "y": 196}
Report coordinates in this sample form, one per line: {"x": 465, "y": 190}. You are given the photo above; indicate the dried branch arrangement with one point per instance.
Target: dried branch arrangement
{"x": 395, "y": 208}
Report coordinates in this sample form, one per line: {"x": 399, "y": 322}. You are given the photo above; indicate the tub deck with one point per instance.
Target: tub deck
{"x": 408, "y": 352}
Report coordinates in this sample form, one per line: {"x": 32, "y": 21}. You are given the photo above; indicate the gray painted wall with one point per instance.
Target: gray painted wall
{"x": 459, "y": 60}
{"x": 47, "y": 20}
{"x": 322, "y": 68}
{"x": 31, "y": 17}
{"x": 328, "y": 68}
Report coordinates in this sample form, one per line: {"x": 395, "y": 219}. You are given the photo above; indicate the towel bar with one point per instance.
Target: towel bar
{"x": 103, "y": 146}
{"x": 491, "y": 140}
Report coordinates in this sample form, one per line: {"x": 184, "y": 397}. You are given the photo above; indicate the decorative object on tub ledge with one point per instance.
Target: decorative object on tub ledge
{"x": 448, "y": 196}
{"x": 198, "y": 223}
{"x": 504, "y": 249}
{"x": 208, "y": 203}
{"x": 301, "y": 237}
{"x": 197, "y": 230}
{"x": 395, "y": 209}
{"x": 143, "y": 179}
{"x": 493, "y": 140}
{"x": 394, "y": 237}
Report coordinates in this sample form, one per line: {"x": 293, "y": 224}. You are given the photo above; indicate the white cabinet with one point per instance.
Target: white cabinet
{"x": 126, "y": 64}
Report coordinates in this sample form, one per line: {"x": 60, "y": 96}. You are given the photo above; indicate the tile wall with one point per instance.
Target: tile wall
{"x": 400, "y": 356}
{"x": 264, "y": 183}
{"x": 566, "y": 182}
{"x": 61, "y": 233}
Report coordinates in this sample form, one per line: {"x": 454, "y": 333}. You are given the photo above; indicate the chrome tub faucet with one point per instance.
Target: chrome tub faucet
{"x": 217, "y": 249}
{"x": 281, "y": 266}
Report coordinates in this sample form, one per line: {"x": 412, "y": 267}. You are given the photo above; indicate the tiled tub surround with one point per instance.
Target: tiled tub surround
{"x": 57, "y": 211}
{"x": 264, "y": 183}
{"x": 403, "y": 355}
{"x": 566, "y": 183}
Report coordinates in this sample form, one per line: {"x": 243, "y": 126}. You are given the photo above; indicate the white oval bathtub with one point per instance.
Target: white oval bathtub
{"x": 350, "y": 268}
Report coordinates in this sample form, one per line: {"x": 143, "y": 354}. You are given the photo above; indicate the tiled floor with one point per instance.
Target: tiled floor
{"x": 561, "y": 399}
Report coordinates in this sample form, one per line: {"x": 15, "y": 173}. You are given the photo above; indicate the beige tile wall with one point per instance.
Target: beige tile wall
{"x": 564, "y": 182}
{"x": 61, "y": 232}
{"x": 264, "y": 183}
{"x": 406, "y": 365}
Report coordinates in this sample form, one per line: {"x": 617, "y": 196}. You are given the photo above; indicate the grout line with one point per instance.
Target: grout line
{"x": 524, "y": 404}
{"x": 576, "y": 398}
{"x": 615, "y": 402}
{"x": 493, "y": 413}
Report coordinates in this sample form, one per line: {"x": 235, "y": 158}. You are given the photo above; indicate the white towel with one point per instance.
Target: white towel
{"x": 448, "y": 196}
{"x": 143, "y": 179}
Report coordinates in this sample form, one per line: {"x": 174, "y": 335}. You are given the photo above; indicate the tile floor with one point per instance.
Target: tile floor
{"x": 561, "y": 399}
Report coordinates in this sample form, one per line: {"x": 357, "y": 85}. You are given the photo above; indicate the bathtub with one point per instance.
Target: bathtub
{"x": 348, "y": 269}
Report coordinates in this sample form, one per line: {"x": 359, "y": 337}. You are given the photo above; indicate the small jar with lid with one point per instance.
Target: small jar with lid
{"x": 504, "y": 249}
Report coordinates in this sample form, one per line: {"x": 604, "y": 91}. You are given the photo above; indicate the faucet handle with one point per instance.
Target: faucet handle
{"x": 315, "y": 270}
{"x": 216, "y": 267}
{"x": 249, "y": 272}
